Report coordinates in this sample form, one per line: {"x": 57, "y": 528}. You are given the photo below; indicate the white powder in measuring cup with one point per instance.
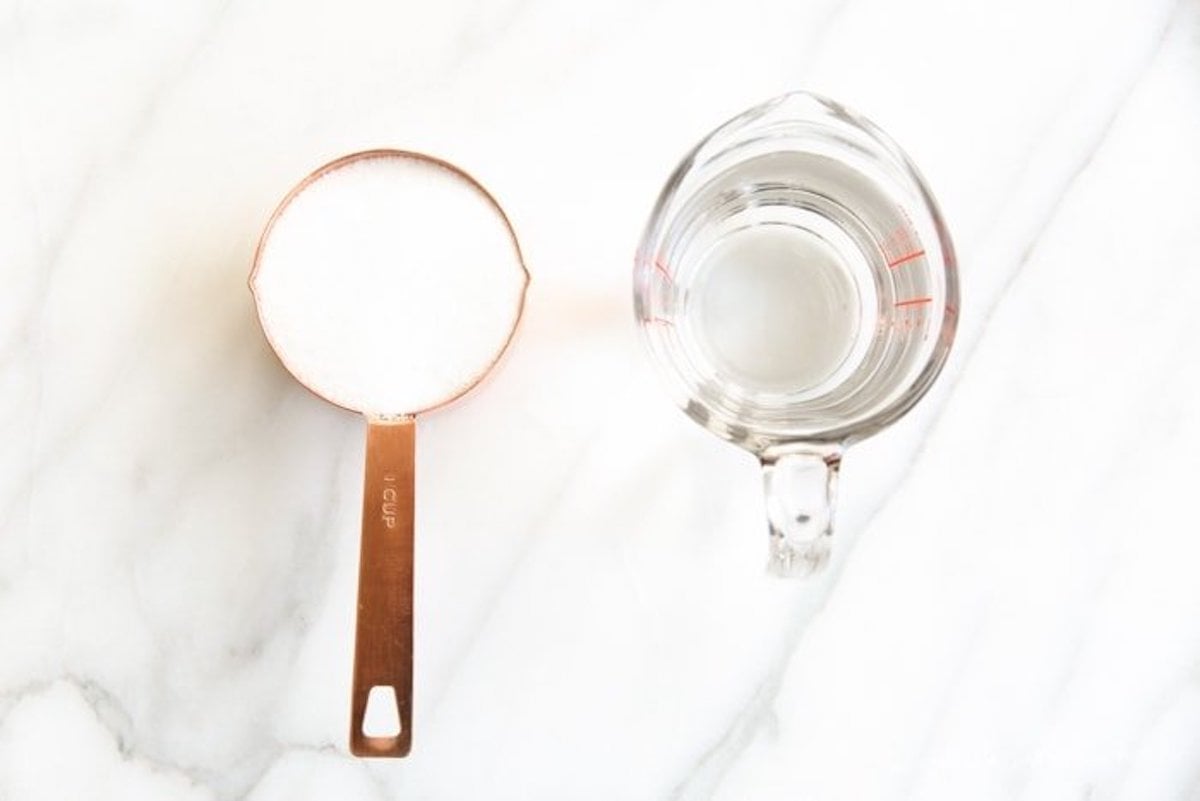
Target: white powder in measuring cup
{"x": 389, "y": 284}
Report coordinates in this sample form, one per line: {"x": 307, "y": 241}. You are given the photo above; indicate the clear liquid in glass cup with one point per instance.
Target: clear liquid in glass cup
{"x": 796, "y": 285}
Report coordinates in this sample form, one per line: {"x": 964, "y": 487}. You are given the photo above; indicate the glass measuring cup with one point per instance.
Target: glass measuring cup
{"x": 796, "y": 286}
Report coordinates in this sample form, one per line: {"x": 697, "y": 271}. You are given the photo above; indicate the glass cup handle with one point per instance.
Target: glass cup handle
{"x": 800, "y": 486}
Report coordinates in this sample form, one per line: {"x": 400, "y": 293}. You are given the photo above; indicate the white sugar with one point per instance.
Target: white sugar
{"x": 389, "y": 285}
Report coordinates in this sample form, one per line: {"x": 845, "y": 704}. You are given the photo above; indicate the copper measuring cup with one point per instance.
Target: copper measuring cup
{"x": 424, "y": 314}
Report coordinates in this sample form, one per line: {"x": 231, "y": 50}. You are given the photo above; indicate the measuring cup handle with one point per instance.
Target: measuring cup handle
{"x": 383, "y": 643}
{"x": 800, "y": 486}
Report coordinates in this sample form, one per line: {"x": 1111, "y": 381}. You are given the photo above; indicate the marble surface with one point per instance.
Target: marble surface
{"x": 1014, "y": 610}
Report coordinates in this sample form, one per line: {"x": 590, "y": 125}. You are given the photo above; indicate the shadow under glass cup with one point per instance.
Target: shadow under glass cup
{"x": 796, "y": 286}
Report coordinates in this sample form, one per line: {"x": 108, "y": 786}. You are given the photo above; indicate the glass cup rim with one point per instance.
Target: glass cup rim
{"x": 821, "y": 118}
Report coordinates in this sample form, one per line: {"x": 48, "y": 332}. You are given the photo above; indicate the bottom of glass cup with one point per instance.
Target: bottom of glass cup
{"x": 778, "y": 308}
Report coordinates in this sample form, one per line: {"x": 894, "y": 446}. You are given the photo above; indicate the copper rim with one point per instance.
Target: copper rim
{"x": 392, "y": 153}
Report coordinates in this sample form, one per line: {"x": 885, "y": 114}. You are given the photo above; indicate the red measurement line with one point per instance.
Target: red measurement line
{"x": 913, "y": 302}
{"x": 658, "y": 265}
{"x": 661, "y": 321}
{"x": 907, "y": 257}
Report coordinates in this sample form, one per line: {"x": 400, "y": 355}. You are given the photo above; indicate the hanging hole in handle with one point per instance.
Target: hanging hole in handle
{"x": 382, "y": 718}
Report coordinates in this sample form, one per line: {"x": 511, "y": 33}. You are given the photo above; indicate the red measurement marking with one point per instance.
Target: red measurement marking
{"x": 906, "y": 258}
{"x": 640, "y": 259}
{"x": 660, "y": 321}
{"x": 913, "y": 302}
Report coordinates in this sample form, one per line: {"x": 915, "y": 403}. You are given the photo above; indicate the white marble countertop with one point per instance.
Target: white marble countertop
{"x": 1014, "y": 612}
